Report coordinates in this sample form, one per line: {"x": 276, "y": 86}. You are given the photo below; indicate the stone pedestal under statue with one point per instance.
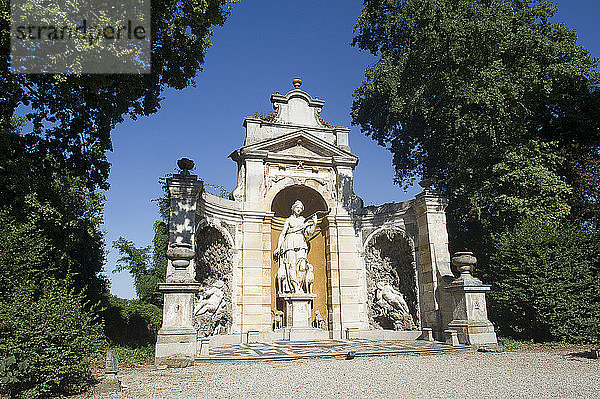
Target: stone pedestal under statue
{"x": 470, "y": 319}
{"x": 297, "y": 309}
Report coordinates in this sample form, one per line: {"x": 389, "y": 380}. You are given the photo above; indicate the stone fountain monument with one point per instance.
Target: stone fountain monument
{"x": 293, "y": 247}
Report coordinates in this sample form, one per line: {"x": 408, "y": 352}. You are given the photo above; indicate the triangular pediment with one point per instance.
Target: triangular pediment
{"x": 299, "y": 145}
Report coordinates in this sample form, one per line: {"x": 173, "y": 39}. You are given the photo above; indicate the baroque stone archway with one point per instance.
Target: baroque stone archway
{"x": 390, "y": 261}
{"x": 281, "y": 208}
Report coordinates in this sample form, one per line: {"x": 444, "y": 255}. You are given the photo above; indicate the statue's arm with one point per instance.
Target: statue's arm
{"x": 286, "y": 226}
{"x": 311, "y": 227}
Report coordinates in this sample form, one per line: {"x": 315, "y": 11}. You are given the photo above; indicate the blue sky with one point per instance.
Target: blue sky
{"x": 261, "y": 48}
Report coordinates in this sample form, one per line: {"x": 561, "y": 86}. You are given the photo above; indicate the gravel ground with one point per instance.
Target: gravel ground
{"x": 519, "y": 374}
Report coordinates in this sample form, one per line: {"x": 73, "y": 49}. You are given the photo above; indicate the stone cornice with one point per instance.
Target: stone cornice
{"x": 267, "y": 151}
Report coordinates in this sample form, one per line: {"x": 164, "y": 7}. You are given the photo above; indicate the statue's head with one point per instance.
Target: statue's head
{"x": 380, "y": 285}
{"x": 218, "y": 284}
{"x": 297, "y": 207}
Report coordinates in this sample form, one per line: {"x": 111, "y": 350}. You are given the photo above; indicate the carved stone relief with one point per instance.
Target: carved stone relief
{"x": 212, "y": 310}
{"x": 391, "y": 282}
{"x": 301, "y": 174}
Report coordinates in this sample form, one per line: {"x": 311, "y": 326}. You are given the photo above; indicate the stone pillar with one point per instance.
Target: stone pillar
{"x": 434, "y": 259}
{"x": 470, "y": 311}
{"x": 255, "y": 272}
{"x": 346, "y": 279}
{"x": 176, "y": 341}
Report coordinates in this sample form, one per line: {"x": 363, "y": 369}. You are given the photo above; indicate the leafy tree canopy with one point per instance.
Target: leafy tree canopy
{"x": 71, "y": 116}
{"x": 491, "y": 99}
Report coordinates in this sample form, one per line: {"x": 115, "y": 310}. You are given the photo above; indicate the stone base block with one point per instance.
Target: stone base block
{"x": 306, "y": 334}
{"x": 474, "y": 332}
{"x": 175, "y": 347}
{"x": 426, "y": 334}
{"x": 452, "y": 337}
{"x": 298, "y": 309}
{"x": 384, "y": 335}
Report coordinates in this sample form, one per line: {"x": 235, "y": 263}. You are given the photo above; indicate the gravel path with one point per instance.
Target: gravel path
{"x": 520, "y": 374}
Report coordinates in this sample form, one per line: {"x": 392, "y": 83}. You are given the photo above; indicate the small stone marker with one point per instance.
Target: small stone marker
{"x": 253, "y": 336}
{"x": 351, "y": 333}
{"x": 112, "y": 363}
{"x": 204, "y": 346}
{"x": 595, "y": 353}
{"x": 110, "y": 383}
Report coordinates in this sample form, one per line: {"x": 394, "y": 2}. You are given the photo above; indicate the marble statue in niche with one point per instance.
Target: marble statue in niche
{"x": 391, "y": 305}
{"x": 295, "y": 274}
{"x": 211, "y": 315}
{"x": 391, "y": 282}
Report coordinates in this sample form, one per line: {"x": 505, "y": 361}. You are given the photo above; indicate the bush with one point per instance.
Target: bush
{"x": 133, "y": 356}
{"x": 545, "y": 279}
{"x": 131, "y": 323}
{"x": 47, "y": 341}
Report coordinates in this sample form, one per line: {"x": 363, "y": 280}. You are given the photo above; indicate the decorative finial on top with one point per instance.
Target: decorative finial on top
{"x": 297, "y": 82}
{"x": 185, "y": 164}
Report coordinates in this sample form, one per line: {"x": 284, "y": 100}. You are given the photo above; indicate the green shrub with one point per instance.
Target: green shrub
{"x": 512, "y": 344}
{"x": 545, "y": 279}
{"x": 131, "y": 323}
{"x": 133, "y": 356}
{"x": 47, "y": 341}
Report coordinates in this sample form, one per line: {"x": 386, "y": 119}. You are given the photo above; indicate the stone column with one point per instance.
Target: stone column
{"x": 176, "y": 341}
{"x": 434, "y": 259}
{"x": 470, "y": 319}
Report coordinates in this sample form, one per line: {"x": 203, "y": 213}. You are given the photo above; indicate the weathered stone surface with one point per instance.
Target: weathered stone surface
{"x": 108, "y": 384}
{"x": 390, "y": 263}
{"x": 469, "y": 316}
{"x": 213, "y": 310}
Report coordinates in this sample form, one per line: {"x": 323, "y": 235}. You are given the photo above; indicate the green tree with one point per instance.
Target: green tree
{"x": 500, "y": 108}
{"x": 71, "y": 116}
{"x": 148, "y": 265}
{"x": 490, "y": 99}
{"x": 54, "y": 136}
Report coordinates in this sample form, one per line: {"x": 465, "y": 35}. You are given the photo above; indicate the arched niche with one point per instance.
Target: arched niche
{"x": 284, "y": 186}
{"x": 283, "y": 200}
{"x": 281, "y": 207}
{"x": 390, "y": 258}
{"x": 214, "y": 269}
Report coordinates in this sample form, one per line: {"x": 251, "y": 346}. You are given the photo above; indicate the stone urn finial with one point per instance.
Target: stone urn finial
{"x": 185, "y": 164}
{"x": 180, "y": 255}
{"x": 297, "y": 82}
{"x": 464, "y": 262}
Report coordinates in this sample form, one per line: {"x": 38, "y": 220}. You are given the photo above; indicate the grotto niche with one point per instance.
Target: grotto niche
{"x": 391, "y": 281}
{"x": 212, "y": 308}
